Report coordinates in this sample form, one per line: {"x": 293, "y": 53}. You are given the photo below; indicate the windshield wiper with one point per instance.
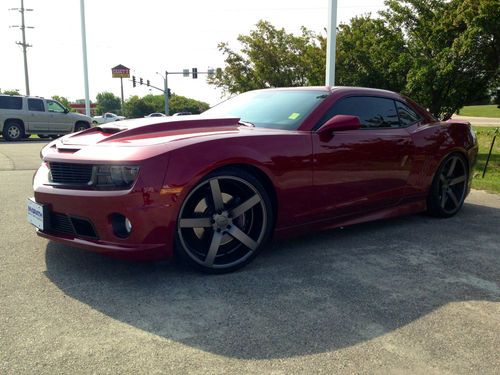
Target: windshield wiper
{"x": 246, "y": 123}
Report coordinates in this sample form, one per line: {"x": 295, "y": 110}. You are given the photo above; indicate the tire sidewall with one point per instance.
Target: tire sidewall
{"x": 8, "y": 126}
{"x": 433, "y": 203}
{"x": 179, "y": 251}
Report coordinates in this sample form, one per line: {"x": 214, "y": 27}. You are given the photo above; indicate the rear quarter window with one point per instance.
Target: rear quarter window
{"x": 11, "y": 102}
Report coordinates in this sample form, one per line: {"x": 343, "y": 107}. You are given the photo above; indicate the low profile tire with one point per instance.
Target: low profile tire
{"x": 13, "y": 131}
{"x": 224, "y": 222}
{"x": 80, "y": 126}
{"x": 449, "y": 187}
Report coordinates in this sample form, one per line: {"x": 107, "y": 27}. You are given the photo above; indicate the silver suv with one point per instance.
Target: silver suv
{"x": 21, "y": 116}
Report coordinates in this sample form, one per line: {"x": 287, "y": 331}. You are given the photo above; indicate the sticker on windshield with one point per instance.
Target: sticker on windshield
{"x": 294, "y": 116}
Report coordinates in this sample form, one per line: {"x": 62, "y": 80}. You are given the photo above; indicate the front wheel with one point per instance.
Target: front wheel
{"x": 449, "y": 187}
{"x": 224, "y": 221}
{"x": 80, "y": 126}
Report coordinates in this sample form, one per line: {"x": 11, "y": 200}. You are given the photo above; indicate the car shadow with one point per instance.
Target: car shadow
{"x": 307, "y": 295}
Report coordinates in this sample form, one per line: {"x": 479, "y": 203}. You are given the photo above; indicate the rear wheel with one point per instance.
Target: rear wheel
{"x": 13, "y": 131}
{"x": 224, "y": 221}
{"x": 43, "y": 136}
{"x": 449, "y": 187}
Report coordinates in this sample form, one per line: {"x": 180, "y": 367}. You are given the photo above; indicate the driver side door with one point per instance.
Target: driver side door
{"x": 60, "y": 121}
{"x": 357, "y": 171}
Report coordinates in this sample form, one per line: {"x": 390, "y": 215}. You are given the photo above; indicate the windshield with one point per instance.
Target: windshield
{"x": 278, "y": 109}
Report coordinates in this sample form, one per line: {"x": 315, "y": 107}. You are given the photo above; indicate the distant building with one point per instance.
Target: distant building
{"x": 79, "y": 106}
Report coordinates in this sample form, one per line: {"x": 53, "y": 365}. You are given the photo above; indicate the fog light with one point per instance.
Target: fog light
{"x": 121, "y": 225}
{"x": 128, "y": 225}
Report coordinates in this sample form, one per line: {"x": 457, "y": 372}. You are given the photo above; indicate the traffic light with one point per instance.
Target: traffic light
{"x": 195, "y": 73}
{"x": 140, "y": 81}
{"x": 169, "y": 93}
{"x": 133, "y": 81}
{"x": 147, "y": 82}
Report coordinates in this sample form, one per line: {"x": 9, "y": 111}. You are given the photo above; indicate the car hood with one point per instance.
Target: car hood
{"x": 143, "y": 138}
{"x": 150, "y": 131}
{"x": 79, "y": 116}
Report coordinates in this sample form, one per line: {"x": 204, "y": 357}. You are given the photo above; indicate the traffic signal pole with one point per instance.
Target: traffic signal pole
{"x": 165, "y": 91}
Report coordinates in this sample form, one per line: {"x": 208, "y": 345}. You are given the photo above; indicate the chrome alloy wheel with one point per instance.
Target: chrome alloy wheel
{"x": 222, "y": 222}
{"x": 14, "y": 132}
{"x": 452, "y": 185}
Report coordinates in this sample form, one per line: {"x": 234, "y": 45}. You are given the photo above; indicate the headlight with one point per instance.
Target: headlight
{"x": 115, "y": 176}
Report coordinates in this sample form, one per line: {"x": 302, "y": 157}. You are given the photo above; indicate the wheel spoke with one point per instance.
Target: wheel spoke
{"x": 245, "y": 206}
{"x": 457, "y": 180}
{"x": 453, "y": 197}
{"x": 442, "y": 178}
{"x": 241, "y": 236}
{"x": 444, "y": 198}
{"x": 214, "y": 248}
{"x": 198, "y": 222}
{"x": 452, "y": 167}
{"x": 216, "y": 194}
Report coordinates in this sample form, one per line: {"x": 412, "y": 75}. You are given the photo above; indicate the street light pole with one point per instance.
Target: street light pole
{"x": 331, "y": 42}
{"x": 84, "y": 51}
{"x": 24, "y": 45}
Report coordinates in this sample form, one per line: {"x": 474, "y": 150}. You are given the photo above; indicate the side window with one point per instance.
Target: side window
{"x": 107, "y": 115}
{"x": 35, "y": 105}
{"x": 407, "y": 116}
{"x": 373, "y": 112}
{"x": 11, "y": 102}
{"x": 53, "y": 106}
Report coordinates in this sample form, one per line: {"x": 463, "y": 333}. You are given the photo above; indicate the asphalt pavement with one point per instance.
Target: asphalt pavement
{"x": 408, "y": 295}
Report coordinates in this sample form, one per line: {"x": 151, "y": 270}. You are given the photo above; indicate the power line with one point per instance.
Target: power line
{"x": 23, "y": 44}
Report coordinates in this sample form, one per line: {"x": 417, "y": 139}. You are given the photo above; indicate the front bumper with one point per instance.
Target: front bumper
{"x": 152, "y": 214}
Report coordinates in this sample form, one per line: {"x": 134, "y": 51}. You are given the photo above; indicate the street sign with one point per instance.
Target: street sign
{"x": 120, "y": 71}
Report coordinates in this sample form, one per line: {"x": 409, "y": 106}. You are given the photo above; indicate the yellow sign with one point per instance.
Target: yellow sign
{"x": 120, "y": 71}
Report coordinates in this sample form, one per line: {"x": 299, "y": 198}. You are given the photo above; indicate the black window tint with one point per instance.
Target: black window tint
{"x": 11, "y": 102}
{"x": 373, "y": 112}
{"x": 407, "y": 116}
{"x": 35, "y": 105}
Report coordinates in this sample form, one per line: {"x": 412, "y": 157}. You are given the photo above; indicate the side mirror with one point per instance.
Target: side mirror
{"x": 338, "y": 123}
{"x": 66, "y": 110}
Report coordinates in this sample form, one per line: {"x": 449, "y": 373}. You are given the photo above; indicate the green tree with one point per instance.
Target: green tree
{"x": 370, "y": 54}
{"x": 64, "y": 101}
{"x": 139, "y": 107}
{"x": 107, "y": 102}
{"x": 453, "y": 46}
{"x": 271, "y": 57}
{"x": 10, "y": 92}
{"x": 179, "y": 103}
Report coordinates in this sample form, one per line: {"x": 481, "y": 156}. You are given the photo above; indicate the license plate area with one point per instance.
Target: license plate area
{"x": 38, "y": 214}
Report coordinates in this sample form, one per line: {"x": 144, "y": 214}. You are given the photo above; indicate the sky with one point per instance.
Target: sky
{"x": 146, "y": 36}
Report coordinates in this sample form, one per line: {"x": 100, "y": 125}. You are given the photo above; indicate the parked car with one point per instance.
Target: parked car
{"x": 156, "y": 114}
{"x": 107, "y": 117}
{"x": 185, "y": 113}
{"x": 213, "y": 188}
{"x": 21, "y": 116}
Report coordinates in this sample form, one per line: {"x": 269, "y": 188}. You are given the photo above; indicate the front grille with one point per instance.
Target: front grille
{"x": 69, "y": 173}
{"x": 61, "y": 223}
{"x": 64, "y": 224}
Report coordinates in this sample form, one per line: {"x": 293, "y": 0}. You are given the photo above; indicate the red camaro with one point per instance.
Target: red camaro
{"x": 214, "y": 187}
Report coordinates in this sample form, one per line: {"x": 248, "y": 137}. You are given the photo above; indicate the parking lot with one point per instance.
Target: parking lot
{"x": 412, "y": 294}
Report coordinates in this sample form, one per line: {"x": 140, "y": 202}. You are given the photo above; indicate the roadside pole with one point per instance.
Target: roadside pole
{"x": 331, "y": 43}
{"x": 84, "y": 51}
{"x": 121, "y": 83}
{"x": 166, "y": 94}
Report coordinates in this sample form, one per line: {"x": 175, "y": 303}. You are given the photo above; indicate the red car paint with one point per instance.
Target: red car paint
{"x": 317, "y": 183}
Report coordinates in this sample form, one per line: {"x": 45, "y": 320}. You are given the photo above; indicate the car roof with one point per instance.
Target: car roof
{"x": 337, "y": 89}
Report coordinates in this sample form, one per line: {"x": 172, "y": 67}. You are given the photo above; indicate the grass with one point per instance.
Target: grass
{"x": 491, "y": 181}
{"x": 480, "y": 111}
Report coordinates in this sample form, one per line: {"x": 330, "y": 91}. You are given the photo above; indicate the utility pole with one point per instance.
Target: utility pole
{"x": 167, "y": 109}
{"x": 331, "y": 43}
{"x": 24, "y": 44}
{"x": 84, "y": 52}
